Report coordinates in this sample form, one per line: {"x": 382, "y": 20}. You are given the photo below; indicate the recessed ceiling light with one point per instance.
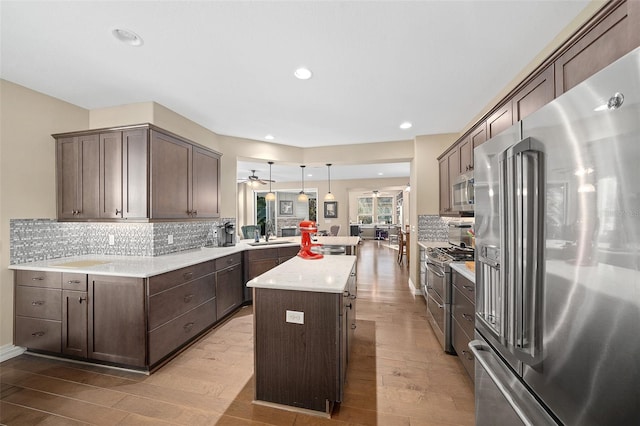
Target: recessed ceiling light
{"x": 380, "y": 173}
{"x": 406, "y": 125}
{"x": 303, "y": 73}
{"x": 127, "y": 36}
{"x": 269, "y": 137}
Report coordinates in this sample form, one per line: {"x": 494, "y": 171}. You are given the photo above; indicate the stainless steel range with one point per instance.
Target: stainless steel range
{"x": 438, "y": 291}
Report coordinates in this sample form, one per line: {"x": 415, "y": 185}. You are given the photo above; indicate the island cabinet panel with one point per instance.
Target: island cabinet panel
{"x": 298, "y": 364}
{"x": 117, "y": 320}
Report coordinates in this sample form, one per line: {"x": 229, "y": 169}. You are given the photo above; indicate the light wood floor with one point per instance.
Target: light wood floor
{"x": 398, "y": 374}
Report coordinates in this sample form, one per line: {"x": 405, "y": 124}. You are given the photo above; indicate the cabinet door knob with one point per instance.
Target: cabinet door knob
{"x": 195, "y": 212}
{"x": 80, "y": 299}
{"x": 353, "y": 326}
{"x": 118, "y": 212}
{"x": 188, "y": 326}
{"x": 187, "y": 275}
{"x": 188, "y": 298}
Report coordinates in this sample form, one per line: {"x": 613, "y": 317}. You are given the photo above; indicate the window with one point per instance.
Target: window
{"x": 365, "y": 210}
{"x": 384, "y": 210}
{"x": 376, "y": 210}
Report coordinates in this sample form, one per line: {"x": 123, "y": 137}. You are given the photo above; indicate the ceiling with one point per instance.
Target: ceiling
{"x": 228, "y": 65}
{"x": 293, "y": 173}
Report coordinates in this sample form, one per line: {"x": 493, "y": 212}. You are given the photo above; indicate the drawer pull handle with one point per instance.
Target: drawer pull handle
{"x": 353, "y": 297}
{"x": 73, "y": 282}
{"x": 188, "y": 326}
{"x": 231, "y": 269}
{"x": 80, "y": 299}
{"x": 118, "y": 212}
{"x": 353, "y": 326}
{"x": 467, "y": 355}
{"x": 187, "y": 275}
{"x": 37, "y": 302}
{"x": 37, "y": 279}
{"x": 348, "y": 306}
{"x": 188, "y": 298}
{"x": 469, "y": 287}
{"x": 346, "y": 293}
{"x": 468, "y": 317}
{"x": 38, "y": 334}
{"x": 229, "y": 261}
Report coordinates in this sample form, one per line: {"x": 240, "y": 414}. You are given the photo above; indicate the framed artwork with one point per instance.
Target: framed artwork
{"x": 330, "y": 209}
{"x": 286, "y": 208}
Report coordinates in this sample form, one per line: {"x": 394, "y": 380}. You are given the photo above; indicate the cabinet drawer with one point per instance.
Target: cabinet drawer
{"x": 39, "y": 279}
{"x": 44, "y": 303}
{"x": 173, "y": 334}
{"x": 41, "y": 334}
{"x": 460, "y": 344}
{"x": 76, "y": 282}
{"x": 466, "y": 287}
{"x": 229, "y": 290}
{"x": 169, "y": 304}
{"x": 463, "y": 311}
{"x": 179, "y": 276}
{"x": 226, "y": 261}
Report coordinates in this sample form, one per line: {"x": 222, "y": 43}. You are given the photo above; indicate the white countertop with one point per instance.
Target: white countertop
{"x": 461, "y": 268}
{"x": 429, "y": 244}
{"x": 327, "y": 275}
{"x": 148, "y": 266}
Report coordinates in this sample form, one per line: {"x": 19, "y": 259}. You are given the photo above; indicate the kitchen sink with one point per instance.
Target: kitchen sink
{"x": 270, "y": 243}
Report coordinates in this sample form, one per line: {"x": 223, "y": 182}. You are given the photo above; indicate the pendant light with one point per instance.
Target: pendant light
{"x": 329, "y": 196}
{"x": 270, "y": 195}
{"x": 302, "y": 197}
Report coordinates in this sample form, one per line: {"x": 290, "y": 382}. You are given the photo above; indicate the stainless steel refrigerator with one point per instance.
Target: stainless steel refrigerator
{"x": 558, "y": 260}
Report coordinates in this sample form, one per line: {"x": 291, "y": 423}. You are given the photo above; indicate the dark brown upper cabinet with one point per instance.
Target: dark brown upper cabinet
{"x": 612, "y": 33}
{"x": 135, "y": 173}
{"x": 537, "y": 93}
{"x": 184, "y": 179}
{"x": 78, "y": 176}
{"x": 500, "y": 120}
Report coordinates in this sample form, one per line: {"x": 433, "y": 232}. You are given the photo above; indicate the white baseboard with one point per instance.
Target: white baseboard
{"x": 9, "y": 351}
{"x": 414, "y": 290}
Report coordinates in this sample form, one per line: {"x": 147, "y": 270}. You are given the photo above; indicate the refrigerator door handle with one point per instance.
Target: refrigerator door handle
{"x": 519, "y": 398}
{"x": 522, "y": 189}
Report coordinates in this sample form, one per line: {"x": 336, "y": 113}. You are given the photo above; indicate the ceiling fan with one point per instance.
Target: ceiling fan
{"x": 254, "y": 180}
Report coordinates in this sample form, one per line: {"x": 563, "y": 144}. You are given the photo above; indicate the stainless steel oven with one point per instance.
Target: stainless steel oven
{"x": 438, "y": 290}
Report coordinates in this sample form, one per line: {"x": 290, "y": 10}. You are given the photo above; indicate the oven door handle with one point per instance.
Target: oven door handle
{"x": 433, "y": 269}
{"x": 434, "y": 300}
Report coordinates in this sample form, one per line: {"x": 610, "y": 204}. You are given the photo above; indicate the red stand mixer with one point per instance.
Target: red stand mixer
{"x": 308, "y": 227}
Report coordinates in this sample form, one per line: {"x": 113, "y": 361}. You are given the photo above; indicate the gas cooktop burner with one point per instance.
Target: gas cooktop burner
{"x": 452, "y": 253}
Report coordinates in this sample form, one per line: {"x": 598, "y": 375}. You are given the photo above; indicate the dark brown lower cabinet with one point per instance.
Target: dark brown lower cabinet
{"x": 463, "y": 320}
{"x": 74, "y": 323}
{"x": 117, "y": 323}
{"x": 229, "y": 290}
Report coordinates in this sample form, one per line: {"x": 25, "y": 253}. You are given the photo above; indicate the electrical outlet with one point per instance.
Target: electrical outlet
{"x": 295, "y": 317}
{"x": 112, "y": 240}
{"x": 170, "y": 239}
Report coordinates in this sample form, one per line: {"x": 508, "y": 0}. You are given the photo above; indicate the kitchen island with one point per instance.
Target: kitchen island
{"x": 304, "y": 318}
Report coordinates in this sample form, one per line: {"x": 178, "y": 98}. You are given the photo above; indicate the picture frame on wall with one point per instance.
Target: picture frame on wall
{"x": 286, "y": 208}
{"x": 330, "y": 209}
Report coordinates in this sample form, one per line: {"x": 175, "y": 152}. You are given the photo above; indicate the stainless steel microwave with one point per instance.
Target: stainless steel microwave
{"x": 462, "y": 193}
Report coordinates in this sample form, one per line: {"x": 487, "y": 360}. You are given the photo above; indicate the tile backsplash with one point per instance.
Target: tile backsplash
{"x": 432, "y": 228}
{"x": 40, "y": 239}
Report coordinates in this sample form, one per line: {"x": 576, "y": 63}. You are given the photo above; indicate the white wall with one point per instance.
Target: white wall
{"x": 27, "y": 170}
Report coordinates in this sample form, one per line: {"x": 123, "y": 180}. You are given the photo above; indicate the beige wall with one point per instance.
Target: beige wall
{"x": 27, "y": 170}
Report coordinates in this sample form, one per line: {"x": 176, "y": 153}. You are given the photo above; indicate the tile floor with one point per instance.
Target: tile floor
{"x": 398, "y": 374}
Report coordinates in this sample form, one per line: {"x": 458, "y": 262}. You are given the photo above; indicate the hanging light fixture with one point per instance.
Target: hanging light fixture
{"x": 302, "y": 197}
{"x": 270, "y": 195}
{"x": 329, "y": 196}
